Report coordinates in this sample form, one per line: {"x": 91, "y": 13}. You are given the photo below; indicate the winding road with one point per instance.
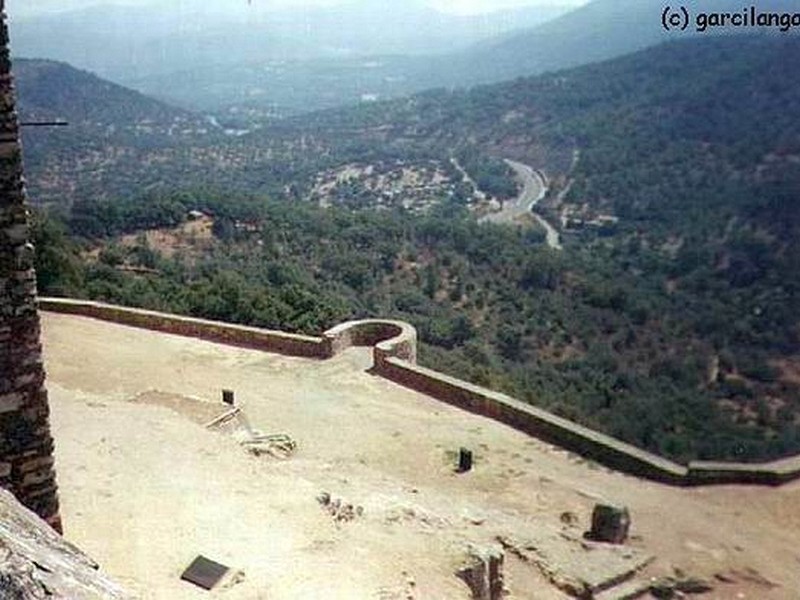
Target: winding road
{"x": 533, "y": 191}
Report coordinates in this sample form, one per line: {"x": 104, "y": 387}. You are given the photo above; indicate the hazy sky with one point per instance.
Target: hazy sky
{"x": 33, "y": 7}
{"x": 478, "y": 6}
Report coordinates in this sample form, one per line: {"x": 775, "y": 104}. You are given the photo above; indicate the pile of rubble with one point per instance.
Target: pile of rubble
{"x": 339, "y": 510}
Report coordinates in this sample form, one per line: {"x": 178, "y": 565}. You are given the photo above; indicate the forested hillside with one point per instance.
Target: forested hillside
{"x": 114, "y": 134}
{"x": 51, "y": 89}
{"x": 669, "y": 320}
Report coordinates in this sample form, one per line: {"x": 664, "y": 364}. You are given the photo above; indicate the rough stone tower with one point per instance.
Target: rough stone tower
{"x": 26, "y": 447}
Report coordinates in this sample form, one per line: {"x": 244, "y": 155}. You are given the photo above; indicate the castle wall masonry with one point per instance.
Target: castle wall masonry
{"x": 26, "y": 448}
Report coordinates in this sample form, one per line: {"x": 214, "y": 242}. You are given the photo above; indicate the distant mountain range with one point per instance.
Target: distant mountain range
{"x": 599, "y": 30}
{"x": 276, "y": 63}
{"x": 124, "y": 43}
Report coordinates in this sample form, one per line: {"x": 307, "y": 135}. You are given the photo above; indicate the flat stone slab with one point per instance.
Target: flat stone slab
{"x": 576, "y": 566}
{"x": 630, "y": 590}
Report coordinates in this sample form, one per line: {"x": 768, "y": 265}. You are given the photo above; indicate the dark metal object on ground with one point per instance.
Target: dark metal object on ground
{"x": 204, "y": 573}
{"x": 228, "y": 397}
{"x": 464, "y": 460}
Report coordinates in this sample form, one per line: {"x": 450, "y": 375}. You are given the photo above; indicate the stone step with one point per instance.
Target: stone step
{"x": 629, "y": 590}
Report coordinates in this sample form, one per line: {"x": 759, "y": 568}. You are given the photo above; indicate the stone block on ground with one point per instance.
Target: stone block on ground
{"x": 483, "y": 572}
{"x": 679, "y": 587}
{"x": 610, "y": 524}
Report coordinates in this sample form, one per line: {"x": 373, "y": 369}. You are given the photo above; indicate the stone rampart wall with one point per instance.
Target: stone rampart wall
{"x": 394, "y": 353}
{"x": 591, "y": 444}
{"x": 534, "y": 421}
{"x": 387, "y": 338}
{"x": 213, "y": 331}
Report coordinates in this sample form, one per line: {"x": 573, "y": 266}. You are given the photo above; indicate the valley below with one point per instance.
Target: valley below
{"x": 534, "y": 189}
{"x": 622, "y": 297}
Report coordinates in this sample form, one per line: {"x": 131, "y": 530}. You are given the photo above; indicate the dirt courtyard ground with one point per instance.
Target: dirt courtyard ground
{"x": 145, "y": 488}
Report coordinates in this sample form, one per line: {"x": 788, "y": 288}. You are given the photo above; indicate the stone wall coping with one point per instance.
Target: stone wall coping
{"x": 404, "y": 330}
{"x": 786, "y": 466}
{"x": 709, "y": 465}
{"x": 781, "y": 467}
{"x": 402, "y": 326}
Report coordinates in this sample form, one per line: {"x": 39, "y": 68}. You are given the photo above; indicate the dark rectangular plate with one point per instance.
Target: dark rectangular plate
{"x": 204, "y": 573}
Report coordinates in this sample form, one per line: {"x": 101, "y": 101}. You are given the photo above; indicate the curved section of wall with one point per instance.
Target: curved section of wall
{"x": 387, "y": 338}
{"x": 394, "y": 346}
{"x": 213, "y": 331}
